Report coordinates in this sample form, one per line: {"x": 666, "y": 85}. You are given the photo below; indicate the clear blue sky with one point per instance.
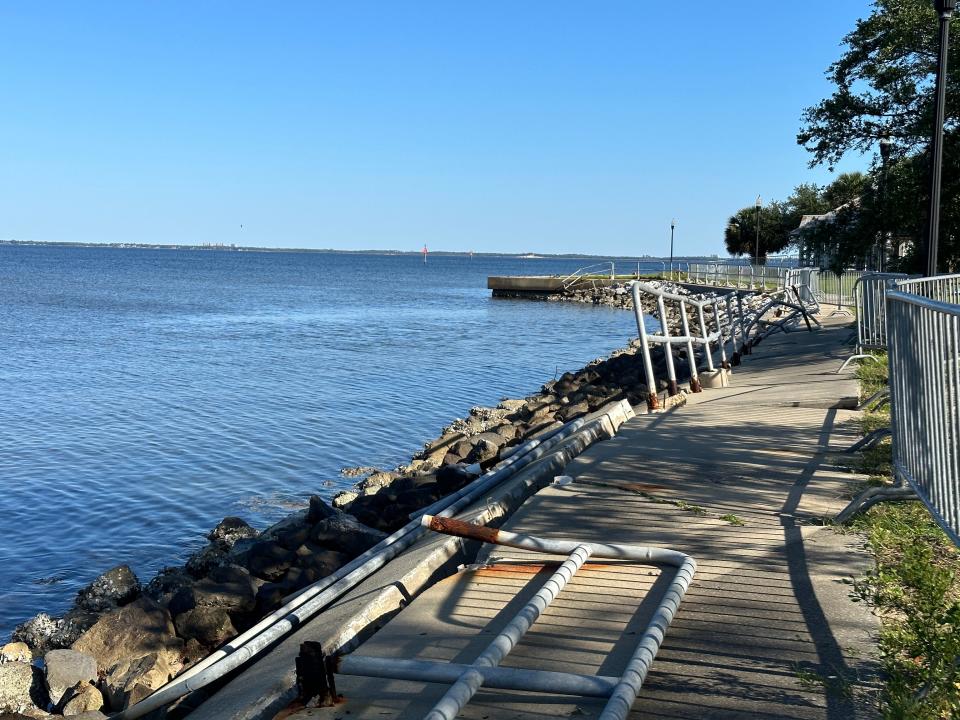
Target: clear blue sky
{"x": 548, "y": 126}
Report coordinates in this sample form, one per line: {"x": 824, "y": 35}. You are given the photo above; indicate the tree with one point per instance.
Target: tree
{"x": 845, "y": 189}
{"x": 884, "y": 88}
{"x": 740, "y": 235}
{"x": 883, "y": 85}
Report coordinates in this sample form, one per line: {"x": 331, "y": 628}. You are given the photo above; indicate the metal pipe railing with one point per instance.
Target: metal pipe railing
{"x": 621, "y": 692}
{"x": 314, "y": 598}
{"x": 742, "y": 312}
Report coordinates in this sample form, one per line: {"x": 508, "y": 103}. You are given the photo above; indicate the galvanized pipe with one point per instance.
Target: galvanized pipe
{"x": 672, "y": 388}
{"x": 314, "y": 598}
{"x": 542, "y": 681}
{"x": 653, "y": 398}
{"x": 691, "y": 358}
{"x": 707, "y": 350}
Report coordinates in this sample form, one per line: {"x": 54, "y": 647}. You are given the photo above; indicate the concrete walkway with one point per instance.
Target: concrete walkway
{"x": 742, "y": 479}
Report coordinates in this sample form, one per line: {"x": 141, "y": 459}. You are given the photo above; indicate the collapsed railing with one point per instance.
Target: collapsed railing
{"x": 923, "y": 339}
{"x": 466, "y": 680}
{"x": 581, "y": 274}
{"x": 304, "y": 605}
{"x": 738, "y": 319}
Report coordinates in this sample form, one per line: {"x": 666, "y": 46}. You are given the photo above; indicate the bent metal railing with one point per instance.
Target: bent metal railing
{"x": 580, "y": 274}
{"x": 466, "y": 680}
{"x": 923, "y": 338}
{"x": 738, "y": 319}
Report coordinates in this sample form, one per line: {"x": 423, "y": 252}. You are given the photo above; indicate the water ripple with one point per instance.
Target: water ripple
{"x": 146, "y": 394}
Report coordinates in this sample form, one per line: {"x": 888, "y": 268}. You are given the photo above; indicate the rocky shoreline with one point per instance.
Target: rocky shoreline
{"x": 122, "y": 639}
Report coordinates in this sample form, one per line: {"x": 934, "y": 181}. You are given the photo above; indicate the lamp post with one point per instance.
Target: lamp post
{"x": 756, "y": 254}
{"x": 673, "y": 224}
{"x": 885, "y": 146}
{"x": 945, "y": 10}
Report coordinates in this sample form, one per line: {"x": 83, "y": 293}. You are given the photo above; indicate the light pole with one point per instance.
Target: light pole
{"x": 673, "y": 224}
{"x": 885, "y": 146}
{"x": 756, "y": 254}
{"x": 945, "y": 10}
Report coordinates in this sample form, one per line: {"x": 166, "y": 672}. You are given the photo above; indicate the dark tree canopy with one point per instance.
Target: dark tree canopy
{"x": 883, "y": 85}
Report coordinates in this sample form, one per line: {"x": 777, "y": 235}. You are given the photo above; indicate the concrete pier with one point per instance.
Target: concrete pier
{"x": 745, "y": 479}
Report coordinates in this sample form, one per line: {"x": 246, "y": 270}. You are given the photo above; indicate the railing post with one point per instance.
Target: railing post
{"x": 672, "y": 388}
{"x": 724, "y": 363}
{"x": 691, "y": 358}
{"x": 707, "y": 350}
{"x": 653, "y": 398}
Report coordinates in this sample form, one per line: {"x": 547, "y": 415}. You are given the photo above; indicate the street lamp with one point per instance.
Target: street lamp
{"x": 756, "y": 254}
{"x": 945, "y": 10}
{"x": 886, "y": 144}
{"x": 673, "y": 224}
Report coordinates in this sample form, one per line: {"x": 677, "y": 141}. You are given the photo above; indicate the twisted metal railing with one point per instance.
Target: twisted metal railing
{"x": 579, "y": 275}
{"x": 738, "y": 320}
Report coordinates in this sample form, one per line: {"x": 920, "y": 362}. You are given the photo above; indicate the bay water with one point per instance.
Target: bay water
{"x": 147, "y": 393}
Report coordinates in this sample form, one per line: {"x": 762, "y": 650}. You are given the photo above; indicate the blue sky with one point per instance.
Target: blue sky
{"x": 549, "y": 126}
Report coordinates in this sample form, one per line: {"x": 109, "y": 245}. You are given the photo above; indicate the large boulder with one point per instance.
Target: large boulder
{"x": 16, "y": 681}
{"x": 42, "y": 632}
{"x": 15, "y": 652}
{"x": 210, "y": 626}
{"x": 131, "y": 680}
{"x": 320, "y": 560}
{"x": 117, "y": 586}
{"x": 484, "y": 448}
{"x": 63, "y": 669}
{"x": 132, "y": 631}
{"x": 165, "y": 583}
{"x": 82, "y": 698}
{"x": 228, "y": 587}
{"x": 36, "y": 632}
{"x": 345, "y": 534}
{"x": 269, "y": 560}
{"x": 229, "y": 530}
{"x": 319, "y": 510}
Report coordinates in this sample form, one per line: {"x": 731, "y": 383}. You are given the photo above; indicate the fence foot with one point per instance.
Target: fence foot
{"x": 871, "y": 496}
{"x": 869, "y": 440}
{"x": 879, "y": 397}
{"x": 858, "y": 356}
{"x": 695, "y": 385}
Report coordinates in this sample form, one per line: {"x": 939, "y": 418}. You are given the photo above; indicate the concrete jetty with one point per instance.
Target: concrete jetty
{"x": 744, "y": 479}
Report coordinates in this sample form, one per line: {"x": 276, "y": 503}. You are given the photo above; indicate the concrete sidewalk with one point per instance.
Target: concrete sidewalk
{"x": 742, "y": 479}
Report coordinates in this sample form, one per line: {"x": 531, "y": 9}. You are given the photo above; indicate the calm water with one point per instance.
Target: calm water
{"x": 145, "y": 394}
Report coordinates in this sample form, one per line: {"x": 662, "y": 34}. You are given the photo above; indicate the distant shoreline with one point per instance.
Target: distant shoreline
{"x": 413, "y": 253}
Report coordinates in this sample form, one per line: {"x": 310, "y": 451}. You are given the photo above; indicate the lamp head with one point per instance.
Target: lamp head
{"x": 945, "y": 7}
{"x": 886, "y": 144}
{"x": 759, "y": 202}
{"x": 673, "y": 223}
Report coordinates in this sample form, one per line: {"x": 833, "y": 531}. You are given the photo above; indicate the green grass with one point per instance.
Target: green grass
{"x": 733, "y": 519}
{"x": 914, "y": 587}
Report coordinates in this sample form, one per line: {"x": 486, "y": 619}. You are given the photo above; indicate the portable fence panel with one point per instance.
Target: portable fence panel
{"x": 924, "y": 351}
{"x": 870, "y": 291}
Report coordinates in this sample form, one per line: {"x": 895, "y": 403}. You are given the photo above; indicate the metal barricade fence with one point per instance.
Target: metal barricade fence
{"x": 832, "y": 289}
{"x": 924, "y": 351}
{"x": 770, "y": 277}
{"x": 870, "y": 293}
